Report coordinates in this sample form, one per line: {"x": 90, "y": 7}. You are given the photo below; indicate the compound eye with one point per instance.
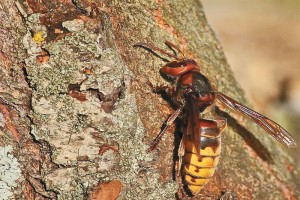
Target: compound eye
{"x": 183, "y": 64}
{"x": 167, "y": 76}
{"x": 174, "y": 64}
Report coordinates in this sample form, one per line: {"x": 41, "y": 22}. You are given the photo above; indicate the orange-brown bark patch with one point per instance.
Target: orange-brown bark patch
{"x": 107, "y": 191}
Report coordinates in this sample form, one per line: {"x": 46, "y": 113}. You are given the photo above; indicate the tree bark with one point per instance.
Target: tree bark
{"x": 77, "y": 114}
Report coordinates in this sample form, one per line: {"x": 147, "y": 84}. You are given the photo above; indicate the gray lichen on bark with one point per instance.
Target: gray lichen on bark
{"x": 10, "y": 171}
{"x": 76, "y": 129}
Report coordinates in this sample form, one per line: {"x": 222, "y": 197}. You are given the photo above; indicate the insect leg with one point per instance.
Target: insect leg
{"x": 222, "y": 123}
{"x": 181, "y": 151}
{"x": 162, "y": 88}
{"x": 169, "y": 122}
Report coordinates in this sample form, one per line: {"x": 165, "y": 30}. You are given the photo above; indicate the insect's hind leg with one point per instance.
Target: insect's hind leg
{"x": 181, "y": 152}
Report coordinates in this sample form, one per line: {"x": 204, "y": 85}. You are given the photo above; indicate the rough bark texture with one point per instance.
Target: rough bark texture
{"x": 76, "y": 113}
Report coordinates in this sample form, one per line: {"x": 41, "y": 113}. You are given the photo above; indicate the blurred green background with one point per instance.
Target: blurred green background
{"x": 261, "y": 41}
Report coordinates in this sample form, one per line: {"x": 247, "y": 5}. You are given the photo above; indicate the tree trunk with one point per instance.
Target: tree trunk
{"x": 77, "y": 113}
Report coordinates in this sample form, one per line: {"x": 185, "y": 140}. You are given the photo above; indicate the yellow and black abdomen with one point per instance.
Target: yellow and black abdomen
{"x": 197, "y": 171}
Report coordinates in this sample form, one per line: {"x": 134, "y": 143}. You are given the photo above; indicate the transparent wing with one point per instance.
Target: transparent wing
{"x": 268, "y": 125}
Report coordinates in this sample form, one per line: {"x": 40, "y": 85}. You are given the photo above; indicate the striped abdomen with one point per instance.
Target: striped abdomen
{"x": 197, "y": 171}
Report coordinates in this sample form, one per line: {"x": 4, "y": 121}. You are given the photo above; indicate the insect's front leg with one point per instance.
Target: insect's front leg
{"x": 168, "y": 123}
{"x": 168, "y": 89}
